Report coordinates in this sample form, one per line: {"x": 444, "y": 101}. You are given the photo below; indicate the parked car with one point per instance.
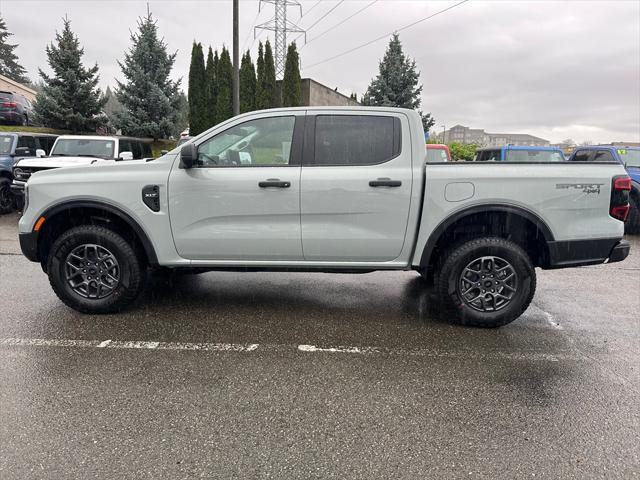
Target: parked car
{"x": 437, "y": 152}
{"x": 77, "y": 150}
{"x": 15, "y": 109}
{"x": 342, "y": 190}
{"x": 627, "y": 156}
{"x": 183, "y": 139}
{"x": 515, "y": 153}
{"x": 13, "y": 147}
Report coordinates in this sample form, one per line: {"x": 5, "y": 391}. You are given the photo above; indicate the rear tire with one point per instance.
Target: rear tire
{"x": 7, "y": 200}
{"x": 632, "y": 225}
{"x": 486, "y": 282}
{"x": 94, "y": 270}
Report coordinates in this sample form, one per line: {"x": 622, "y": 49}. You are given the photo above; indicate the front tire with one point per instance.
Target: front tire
{"x": 486, "y": 282}
{"x": 7, "y": 200}
{"x": 94, "y": 270}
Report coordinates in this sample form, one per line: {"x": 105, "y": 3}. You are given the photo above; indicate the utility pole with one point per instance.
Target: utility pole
{"x": 444, "y": 134}
{"x": 280, "y": 25}
{"x": 236, "y": 61}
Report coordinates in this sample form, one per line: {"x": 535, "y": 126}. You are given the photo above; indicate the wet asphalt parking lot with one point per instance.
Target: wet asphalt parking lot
{"x": 293, "y": 375}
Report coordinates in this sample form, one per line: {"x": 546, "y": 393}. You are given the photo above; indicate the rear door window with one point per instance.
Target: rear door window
{"x": 356, "y": 139}
{"x": 28, "y": 142}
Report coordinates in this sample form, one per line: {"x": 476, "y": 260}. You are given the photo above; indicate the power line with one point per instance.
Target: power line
{"x": 338, "y": 24}
{"x": 309, "y": 11}
{"x": 244, "y": 44}
{"x": 321, "y": 18}
{"x": 385, "y": 35}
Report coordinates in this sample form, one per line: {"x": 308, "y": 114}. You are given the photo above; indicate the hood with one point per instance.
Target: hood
{"x": 57, "y": 162}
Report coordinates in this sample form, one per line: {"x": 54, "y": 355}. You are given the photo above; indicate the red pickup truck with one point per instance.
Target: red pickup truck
{"x": 437, "y": 152}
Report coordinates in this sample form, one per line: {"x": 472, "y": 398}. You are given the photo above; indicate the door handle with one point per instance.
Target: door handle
{"x": 274, "y": 183}
{"x": 385, "y": 182}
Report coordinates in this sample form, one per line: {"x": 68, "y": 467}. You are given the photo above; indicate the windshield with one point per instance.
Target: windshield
{"x": 6, "y": 142}
{"x": 534, "y": 156}
{"x": 631, "y": 158}
{"x": 80, "y": 147}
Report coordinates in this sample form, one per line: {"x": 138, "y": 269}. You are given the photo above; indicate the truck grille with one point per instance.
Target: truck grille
{"x": 23, "y": 173}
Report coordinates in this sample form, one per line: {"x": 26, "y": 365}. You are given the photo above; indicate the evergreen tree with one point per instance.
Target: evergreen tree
{"x": 182, "y": 114}
{"x": 70, "y": 99}
{"x": 247, "y": 84}
{"x": 291, "y": 82}
{"x": 197, "y": 92}
{"x": 9, "y": 66}
{"x": 261, "y": 101}
{"x": 148, "y": 96}
{"x": 112, "y": 108}
{"x": 269, "y": 93}
{"x": 224, "y": 105}
{"x": 397, "y": 82}
{"x": 210, "y": 73}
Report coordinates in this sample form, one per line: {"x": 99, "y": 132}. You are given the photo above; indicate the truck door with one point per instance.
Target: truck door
{"x": 355, "y": 186}
{"x": 241, "y": 201}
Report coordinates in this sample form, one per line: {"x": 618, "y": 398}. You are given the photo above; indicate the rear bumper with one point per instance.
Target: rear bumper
{"x": 29, "y": 245}
{"x": 13, "y": 117}
{"x": 576, "y": 253}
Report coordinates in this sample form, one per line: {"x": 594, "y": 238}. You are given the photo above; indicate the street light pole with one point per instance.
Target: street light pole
{"x": 236, "y": 61}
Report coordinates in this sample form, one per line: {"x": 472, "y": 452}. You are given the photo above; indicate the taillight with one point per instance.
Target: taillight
{"x": 620, "y": 188}
{"x": 9, "y": 104}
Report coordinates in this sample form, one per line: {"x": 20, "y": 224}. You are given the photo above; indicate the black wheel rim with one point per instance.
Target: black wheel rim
{"x": 488, "y": 284}
{"x": 92, "y": 271}
{"x": 6, "y": 197}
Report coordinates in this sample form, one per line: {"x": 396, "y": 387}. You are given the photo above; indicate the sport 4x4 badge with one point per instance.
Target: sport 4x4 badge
{"x": 585, "y": 187}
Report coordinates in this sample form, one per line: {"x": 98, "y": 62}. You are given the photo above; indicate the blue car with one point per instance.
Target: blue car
{"x": 627, "y": 156}
{"x": 514, "y": 153}
{"x": 13, "y": 146}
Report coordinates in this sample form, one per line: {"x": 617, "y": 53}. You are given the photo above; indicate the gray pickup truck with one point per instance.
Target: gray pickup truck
{"x": 343, "y": 190}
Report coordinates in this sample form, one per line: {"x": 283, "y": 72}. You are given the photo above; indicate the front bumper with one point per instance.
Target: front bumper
{"x": 577, "y": 253}
{"x": 29, "y": 245}
{"x": 17, "y": 188}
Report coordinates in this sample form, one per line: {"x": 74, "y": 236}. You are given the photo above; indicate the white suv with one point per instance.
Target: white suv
{"x": 79, "y": 150}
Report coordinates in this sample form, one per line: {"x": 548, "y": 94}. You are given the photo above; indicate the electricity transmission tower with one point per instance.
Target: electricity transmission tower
{"x": 280, "y": 25}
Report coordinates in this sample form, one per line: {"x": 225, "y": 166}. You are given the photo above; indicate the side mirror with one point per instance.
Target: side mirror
{"x": 40, "y": 153}
{"x": 188, "y": 155}
{"x": 22, "y": 152}
{"x": 125, "y": 156}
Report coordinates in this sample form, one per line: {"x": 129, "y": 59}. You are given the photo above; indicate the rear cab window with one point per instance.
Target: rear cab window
{"x": 342, "y": 140}
{"x": 435, "y": 155}
{"x": 533, "y": 156}
{"x": 583, "y": 156}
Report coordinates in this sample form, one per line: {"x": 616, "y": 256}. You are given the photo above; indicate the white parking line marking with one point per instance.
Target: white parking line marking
{"x": 313, "y": 348}
{"x": 303, "y": 348}
{"x": 127, "y": 345}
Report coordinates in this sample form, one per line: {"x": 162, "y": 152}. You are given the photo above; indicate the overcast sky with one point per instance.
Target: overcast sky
{"x": 555, "y": 69}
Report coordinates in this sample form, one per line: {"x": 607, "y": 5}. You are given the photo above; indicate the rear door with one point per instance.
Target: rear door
{"x": 355, "y": 186}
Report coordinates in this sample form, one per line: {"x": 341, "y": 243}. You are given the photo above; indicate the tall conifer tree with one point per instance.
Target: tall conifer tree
{"x": 70, "y": 99}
